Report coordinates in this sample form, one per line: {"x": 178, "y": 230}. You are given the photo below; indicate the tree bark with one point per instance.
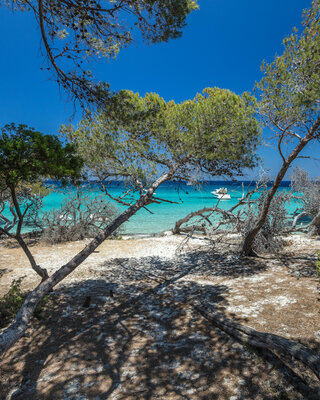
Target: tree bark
{"x": 314, "y": 227}
{"x": 247, "y": 247}
{"x": 40, "y": 271}
{"x": 296, "y": 219}
{"x": 263, "y": 340}
{"x": 21, "y": 321}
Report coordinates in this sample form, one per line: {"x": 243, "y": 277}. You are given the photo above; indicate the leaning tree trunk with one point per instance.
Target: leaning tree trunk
{"x": 21, "y": 321}
{"x": 247, "y": 247}
{"x": 314, "y": 227}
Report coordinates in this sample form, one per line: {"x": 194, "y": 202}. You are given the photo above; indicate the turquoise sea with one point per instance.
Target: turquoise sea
{"x": 165, "y": 215}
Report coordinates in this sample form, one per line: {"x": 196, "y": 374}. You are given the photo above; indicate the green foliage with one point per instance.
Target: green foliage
{"x": 75, "y": 32}
{"x": 289, "y": 102}
{"x": 216, "y": 131}
{"x": 12, "y": 301}
{"x": 290, "y": 89}
{"x": 139, "y": 137}
{"x": 318, "y": 264}
{"x": 39, "y": 312}
{"x": 29, "y": 198}
{"x": 29, "y": 156}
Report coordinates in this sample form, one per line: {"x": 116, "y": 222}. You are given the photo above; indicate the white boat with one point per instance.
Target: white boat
{"x": 144, "y": 191}
{"x": 221, "y": 194}
{"x": 98, "y": 217}
{"x": 64, "y": 217}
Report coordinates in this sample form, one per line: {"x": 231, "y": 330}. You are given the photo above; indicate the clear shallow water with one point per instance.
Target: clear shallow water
{"x": 166, "y": 214}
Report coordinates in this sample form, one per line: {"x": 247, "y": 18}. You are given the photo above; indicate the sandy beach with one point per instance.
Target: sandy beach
{"x": 141, "y": 337}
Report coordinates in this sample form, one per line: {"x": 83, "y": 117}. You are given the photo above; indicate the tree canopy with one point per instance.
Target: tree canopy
{"x": 289, "y": 102}
{"x": 216, "y": 133}
{"x": 27, "y": 156}
{"x": 76, "y": 31}
{"x": 290, "y": 89}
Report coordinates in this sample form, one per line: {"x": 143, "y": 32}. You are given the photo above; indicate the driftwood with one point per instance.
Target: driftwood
{"x": 263, "y": 340}
{"x": 177, "y": 228}
{"x": 296, "y": 219}
{"x": 235, "y": 215}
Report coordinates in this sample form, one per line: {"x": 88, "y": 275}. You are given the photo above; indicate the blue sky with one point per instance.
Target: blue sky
{"x": 223, "y": 45}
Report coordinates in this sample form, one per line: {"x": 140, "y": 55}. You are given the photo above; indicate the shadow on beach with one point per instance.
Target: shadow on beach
{"x": 141, "y": 338}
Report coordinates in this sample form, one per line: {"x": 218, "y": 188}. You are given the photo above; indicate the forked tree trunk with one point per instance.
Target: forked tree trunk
{"x": 247, "y": 247}
{"x": 21, "y": 321}
{"x": 42, "y": 272}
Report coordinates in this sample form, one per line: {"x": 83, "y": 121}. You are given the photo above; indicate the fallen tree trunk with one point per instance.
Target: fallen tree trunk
{"x": 14, "y": 332}
{"x": 263, "y": 340}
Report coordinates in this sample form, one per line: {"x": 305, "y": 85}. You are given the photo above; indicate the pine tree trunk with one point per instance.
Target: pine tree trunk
{"x": 247, "y": 247}
{"x": 40, "y": 271}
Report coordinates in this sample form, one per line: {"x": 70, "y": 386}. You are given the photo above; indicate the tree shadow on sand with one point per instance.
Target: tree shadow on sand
{"x": 141, "y": 338}
{"x": 301, "y": 265}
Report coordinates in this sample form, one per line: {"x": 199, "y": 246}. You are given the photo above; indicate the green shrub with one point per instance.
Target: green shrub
{"x": 39, "y": 311}
{"x": 13, "y": 300}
